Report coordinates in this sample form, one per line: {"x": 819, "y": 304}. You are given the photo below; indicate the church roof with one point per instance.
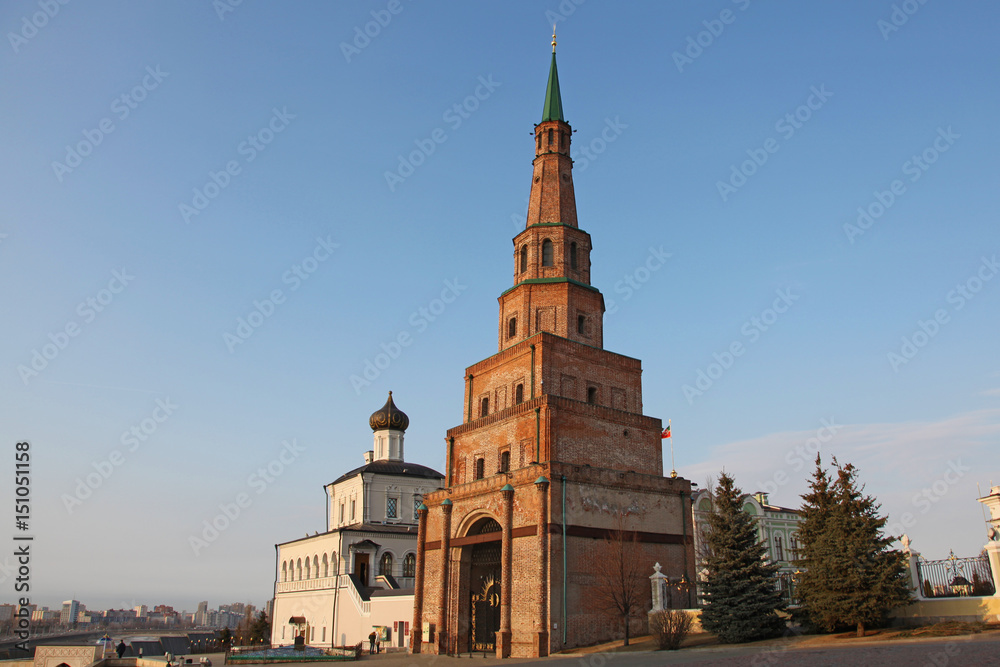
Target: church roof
{"x": 389, "y": 467}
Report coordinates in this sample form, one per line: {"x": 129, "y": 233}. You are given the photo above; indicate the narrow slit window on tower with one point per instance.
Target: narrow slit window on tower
{"x": 592, "y": 395}
{"x": 505, "y": 461}
{"x": 572, "y": 256}
{"x": 539, "y": 137}
{"x": 550, "y": 138}
{"x": 519, "y": 394}
{"x": 485, "y": 407}
{"x": 547, "y": 252}
{"x": 581, "y": 325}
{"x": 524, "y": 258}
{"x": 480, "y": 468}
{"x": 512, "y": 327}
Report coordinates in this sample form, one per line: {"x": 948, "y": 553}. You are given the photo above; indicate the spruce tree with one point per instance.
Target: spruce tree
{"x": 740, "y": 590}
{"x": 852, "y": 577}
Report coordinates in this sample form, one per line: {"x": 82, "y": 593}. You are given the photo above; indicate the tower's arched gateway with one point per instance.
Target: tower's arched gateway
{"x": 554, "y": 452}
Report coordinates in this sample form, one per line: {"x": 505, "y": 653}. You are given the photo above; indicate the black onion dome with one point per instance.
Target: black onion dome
{"x": 389, "y": 416}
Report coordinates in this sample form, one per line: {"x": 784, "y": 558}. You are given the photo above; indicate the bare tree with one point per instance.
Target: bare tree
{"x": 621, "y": 580}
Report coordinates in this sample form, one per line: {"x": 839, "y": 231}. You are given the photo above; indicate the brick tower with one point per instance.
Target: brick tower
{"x": 553, "y": 454}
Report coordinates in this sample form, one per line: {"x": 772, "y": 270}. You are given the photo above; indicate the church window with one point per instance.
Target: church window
{"x": 572, "y": 256}
{"x": 547, "y": 252}
{"x": 390, "y": 508}
{"x": 298, "y": 569}
{"x": 512, "y": 327}
{"x": 324, "y": 634}
{"x": 307, "y": 569}
{"x": 519, "y": 394}
{"x": 410, "y": 566}
{"x": 550, "y": 138}
{"x": 505, "y": 461}
{"x": 284, "y": 571}
{"x": 485, "y": 407}
{"x": 524, "y": 258}
{"x": 480, "y": 468}
{"x": 385, "y": 565}
{"x": 326, "y": 566}
{"x": 341, "y": 512}
{"x": 539, "y": 137}
{"x": 779, "y": 553}
{"x": 416, "y": 507}
{"x": 334, "y": 564}
{"x": 581, "y": 324}
{"x": 316, "y": 567}
{"x": 592, "y": 395}
{"x": 353, "y": 506}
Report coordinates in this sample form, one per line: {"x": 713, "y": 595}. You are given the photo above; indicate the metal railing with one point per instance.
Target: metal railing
{"x": 955, "y": 577}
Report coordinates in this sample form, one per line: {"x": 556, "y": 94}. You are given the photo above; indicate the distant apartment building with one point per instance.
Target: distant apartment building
{"x": 141, "y": 611}
{"x": 45, "y": 615}
{"x": 70, "y": 612}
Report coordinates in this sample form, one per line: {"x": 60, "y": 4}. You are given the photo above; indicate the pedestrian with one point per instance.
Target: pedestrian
{"x": 371, "y": 643}
{"x": 378, "y": 644}
{"x": 120, "y": 649}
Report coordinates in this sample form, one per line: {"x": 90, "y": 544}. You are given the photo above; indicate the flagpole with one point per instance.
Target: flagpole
{"x": 673, "y": 470}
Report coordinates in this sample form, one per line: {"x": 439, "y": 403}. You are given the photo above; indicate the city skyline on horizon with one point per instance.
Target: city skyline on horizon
{"x": 281, "y": 217}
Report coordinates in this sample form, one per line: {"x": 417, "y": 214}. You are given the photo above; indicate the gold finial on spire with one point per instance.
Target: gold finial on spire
{"x": 553, "y": 38}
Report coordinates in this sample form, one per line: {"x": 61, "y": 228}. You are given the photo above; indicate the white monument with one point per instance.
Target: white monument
{"x": 992, "y": 501}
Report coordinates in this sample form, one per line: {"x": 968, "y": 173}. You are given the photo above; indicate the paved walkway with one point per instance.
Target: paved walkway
{"x": 967, "y": 651}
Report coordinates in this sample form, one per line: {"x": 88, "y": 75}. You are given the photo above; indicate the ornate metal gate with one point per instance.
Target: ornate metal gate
{"x": 485, "y": 605}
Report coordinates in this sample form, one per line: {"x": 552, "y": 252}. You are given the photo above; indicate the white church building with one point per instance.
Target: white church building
{"x": 335, "y": 587}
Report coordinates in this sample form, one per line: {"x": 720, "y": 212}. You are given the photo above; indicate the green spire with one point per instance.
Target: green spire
{"x": 553, "y": 100}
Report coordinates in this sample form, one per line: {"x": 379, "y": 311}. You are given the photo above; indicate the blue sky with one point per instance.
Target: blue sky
{"x": 277, "y": 123}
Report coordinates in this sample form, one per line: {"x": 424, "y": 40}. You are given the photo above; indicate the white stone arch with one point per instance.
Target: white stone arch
{"x": 471, "y": 519}
{"x": 308, "y": 568}
{"x": 326, "y": 566}
{"x": 315, "y": 566}
{"x": 284, "y": 571}
{"x": 334, "y": 564}
{"x": 298, "y": 570}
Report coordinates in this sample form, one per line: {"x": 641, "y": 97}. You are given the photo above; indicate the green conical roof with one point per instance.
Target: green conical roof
{"x": 553, "y": 100}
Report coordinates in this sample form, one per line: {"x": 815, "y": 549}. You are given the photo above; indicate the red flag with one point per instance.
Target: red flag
{"x": 666, "y": 432}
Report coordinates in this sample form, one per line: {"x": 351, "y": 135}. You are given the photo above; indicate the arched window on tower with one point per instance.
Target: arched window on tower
{"x": 316, "y": 567}
{"x": 284, "y": 571}
{"x": 539, "y": 137}
{"x": 505, "y": 461}
{"x": 519, "y": 394}
{"x": 550, "y": 138}
{"x": 485, "y": 407}
{"x": 307, "y": 569}
{"x": 480, "y": 468}
{"x": 592, "y": 395}
{"x": 385, "y": 564}
{"x": 524, "y": 258}
{"x": 326, "y": 566}
{"x": 410, "y": 565}
{"x": 512, "y": 327}
{"x": 581, "y": 324}
{"x": 572, "y": 256}
{"x": 547, "y": 252}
